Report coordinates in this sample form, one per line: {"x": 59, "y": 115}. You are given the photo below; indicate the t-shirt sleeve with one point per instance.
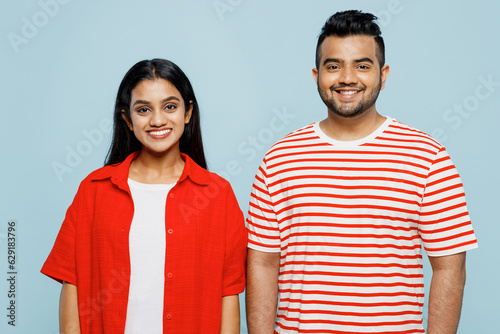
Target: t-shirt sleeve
{"x": 445, "y": 227}
{"x": 262, "y": 224}
{"x": 236, "y": 248}
{"x": 60, "y": 264}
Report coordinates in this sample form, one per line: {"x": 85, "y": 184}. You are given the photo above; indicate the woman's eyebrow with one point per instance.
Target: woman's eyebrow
{"x": 170, "y": 98}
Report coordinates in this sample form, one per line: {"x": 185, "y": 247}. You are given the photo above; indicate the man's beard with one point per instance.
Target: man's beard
{"x": 350, "y": 109}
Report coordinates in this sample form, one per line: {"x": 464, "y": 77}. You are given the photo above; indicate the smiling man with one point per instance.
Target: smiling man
{"x": 340, "y": 209}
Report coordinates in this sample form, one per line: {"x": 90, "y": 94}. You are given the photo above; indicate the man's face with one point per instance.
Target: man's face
{"x": 349, "y": 77}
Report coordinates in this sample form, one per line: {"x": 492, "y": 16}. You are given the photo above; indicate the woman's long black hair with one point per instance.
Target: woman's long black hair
{"x": 124, "y": 141}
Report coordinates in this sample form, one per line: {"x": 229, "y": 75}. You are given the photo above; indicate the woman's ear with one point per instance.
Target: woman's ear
{"x": 189, "y": 112}
{"x": 127, "y": 120}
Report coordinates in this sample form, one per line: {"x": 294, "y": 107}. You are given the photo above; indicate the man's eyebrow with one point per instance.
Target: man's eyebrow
{"x": 337, "y": 60}
{"x": 170, "y": 98}
{"x": 362, "y": 60}
{"x": 332, "y": 60}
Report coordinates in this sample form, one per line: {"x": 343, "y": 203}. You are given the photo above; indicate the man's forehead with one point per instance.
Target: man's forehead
{"x": 353, "y": 44}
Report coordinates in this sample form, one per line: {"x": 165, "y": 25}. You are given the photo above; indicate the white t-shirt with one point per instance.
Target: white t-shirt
{"x": 147, "y": 258}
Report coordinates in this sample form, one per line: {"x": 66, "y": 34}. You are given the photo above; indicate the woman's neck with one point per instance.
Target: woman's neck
{"x": 147, "y": 168}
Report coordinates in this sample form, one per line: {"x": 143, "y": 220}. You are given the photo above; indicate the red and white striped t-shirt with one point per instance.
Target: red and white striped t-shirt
{"x": 349, "y": 219}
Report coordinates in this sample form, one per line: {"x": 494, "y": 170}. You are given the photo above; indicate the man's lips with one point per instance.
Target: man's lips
{"x": 347, "y": 93}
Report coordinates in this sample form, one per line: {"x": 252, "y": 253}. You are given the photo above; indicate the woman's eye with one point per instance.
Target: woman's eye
{"x": 142, "y": 110}
{"x": 170, "y": 107}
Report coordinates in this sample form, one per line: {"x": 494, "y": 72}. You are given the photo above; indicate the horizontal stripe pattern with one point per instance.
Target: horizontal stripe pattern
{"x": 349, "y": 220}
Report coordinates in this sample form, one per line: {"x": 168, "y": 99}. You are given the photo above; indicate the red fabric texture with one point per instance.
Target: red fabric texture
{"x": 205, "y": 250}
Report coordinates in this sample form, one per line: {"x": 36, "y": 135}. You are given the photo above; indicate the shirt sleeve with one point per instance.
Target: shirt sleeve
{"x": 236, "y": 248}
{"x": 262, "y": 224}
{"x": 61, "y": 262}
{"x": 445, "y": 227}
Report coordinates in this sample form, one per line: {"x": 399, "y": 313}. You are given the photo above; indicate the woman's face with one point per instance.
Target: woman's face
{"x": 158, "y": 116}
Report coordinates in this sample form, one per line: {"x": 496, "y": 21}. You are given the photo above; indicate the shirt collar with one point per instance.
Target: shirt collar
{"x": 118, "y": 173}
{"x": 195, "y": 173}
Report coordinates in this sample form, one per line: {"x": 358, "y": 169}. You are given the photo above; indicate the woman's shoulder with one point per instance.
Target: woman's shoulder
{"x": 219, "y": 179}
{"x": 118, "y": 170}
{"x": 203, "y": 175}
{"x": 109, "y": 172}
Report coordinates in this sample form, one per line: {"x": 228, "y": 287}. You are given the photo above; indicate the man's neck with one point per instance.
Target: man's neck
{"x": 351, "y": 128}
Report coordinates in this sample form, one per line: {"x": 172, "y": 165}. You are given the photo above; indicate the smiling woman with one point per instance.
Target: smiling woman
{"x": 157, "y": 118}
{"x": 137, "y": 252}
{"x": 175, "y": 82}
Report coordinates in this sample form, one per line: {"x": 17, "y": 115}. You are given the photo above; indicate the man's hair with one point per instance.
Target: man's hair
{"x": 352, "y": 23}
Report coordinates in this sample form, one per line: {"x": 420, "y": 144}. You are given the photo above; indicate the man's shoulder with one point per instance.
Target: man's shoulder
{"x": 303, "y": 136}
{"x": 405, "y": 132}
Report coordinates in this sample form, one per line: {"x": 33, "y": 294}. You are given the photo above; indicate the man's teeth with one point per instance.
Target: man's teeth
{"x": 160, "y": 133}
{"x": 348, "y": 92}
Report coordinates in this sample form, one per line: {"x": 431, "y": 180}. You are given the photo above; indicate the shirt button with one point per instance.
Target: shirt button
{"x": 170, "y": 275}
{"x": 169, "y": 316}
{"x": 171, "y": 195}
{"x": 170, "y": 231}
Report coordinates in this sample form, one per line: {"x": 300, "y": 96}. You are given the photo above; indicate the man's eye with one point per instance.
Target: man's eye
{"x": 333, "y": 67}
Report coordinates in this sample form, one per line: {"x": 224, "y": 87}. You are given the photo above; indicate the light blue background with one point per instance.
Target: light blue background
{"x": 248, "y": 62}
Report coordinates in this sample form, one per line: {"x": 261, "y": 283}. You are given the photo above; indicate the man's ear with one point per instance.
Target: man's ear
{"x": 315, "y": 74}
{"x": 384, "y": 73}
